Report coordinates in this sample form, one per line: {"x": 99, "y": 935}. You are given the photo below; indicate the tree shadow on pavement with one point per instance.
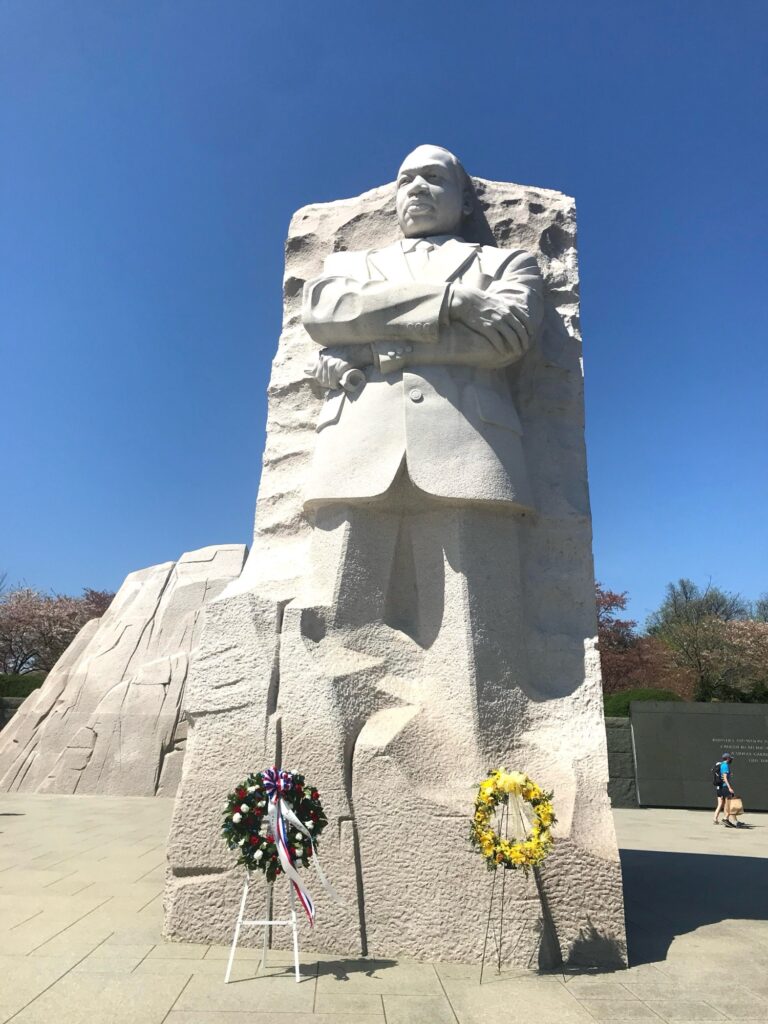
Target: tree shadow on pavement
{"x": 671, "y": 894}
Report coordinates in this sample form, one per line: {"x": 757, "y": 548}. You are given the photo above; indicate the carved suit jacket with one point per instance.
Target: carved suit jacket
{"x": 436, "y": 394}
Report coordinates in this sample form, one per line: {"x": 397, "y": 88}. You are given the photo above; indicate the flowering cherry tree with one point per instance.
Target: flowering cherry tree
{"x": 36, "y": 628}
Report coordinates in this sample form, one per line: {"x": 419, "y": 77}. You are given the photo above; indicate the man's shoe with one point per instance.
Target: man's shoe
{"x": 729, "y": 824}
{"x": 740, "y": 824}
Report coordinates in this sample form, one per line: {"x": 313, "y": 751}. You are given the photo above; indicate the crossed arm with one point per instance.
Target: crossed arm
{"x": 393, "y": 325}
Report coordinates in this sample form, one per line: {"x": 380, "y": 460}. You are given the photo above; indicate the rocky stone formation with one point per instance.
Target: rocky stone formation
{"x": 109, "y": 717}
{"x": 271, "y": 680}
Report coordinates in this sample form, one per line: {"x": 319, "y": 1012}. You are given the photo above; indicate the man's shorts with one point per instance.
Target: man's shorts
{"x": 724, "y": 791}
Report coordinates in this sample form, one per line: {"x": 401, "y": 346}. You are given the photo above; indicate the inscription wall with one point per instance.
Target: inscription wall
{"x": 676, "y": 745}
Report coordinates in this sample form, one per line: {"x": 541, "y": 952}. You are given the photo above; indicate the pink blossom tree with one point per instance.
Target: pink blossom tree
{"x": 36, "y": 628}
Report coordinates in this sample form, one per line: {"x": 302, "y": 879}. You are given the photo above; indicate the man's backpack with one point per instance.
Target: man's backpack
{"x": 716, "y": 776}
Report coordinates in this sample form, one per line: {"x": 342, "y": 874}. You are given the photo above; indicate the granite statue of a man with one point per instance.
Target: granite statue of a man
{"x": 433, "y": 320}
{"x": 405, "y": 668}
{"x": 418, "y": 604}
{"x": 419, "y": 481}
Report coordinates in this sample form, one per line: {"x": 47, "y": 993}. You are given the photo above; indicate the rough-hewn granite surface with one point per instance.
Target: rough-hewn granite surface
{"x": 109, "y": 717}
{"x": 384, "y": 726}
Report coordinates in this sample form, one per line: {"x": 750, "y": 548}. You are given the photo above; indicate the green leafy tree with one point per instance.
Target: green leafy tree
{"x": 694, "y": 625}
{"x": 760, "y": 613}
{"x": 630, "y": 660}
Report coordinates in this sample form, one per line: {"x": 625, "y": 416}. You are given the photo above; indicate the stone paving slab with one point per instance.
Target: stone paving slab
{"x": 87, "y": 998}
{"x": 81, "y": 882}
{"x": 257, "y": 1017}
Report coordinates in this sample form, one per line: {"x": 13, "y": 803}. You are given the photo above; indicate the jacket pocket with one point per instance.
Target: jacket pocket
{"x": 495, "y": 409}
{"x": 331, "y": 410}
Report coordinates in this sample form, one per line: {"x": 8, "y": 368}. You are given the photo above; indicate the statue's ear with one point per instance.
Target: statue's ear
{"x": 468, "y": 202}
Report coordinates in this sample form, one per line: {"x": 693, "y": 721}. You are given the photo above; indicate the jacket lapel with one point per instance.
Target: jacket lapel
{"x": 446, "y": 262}
{"x": 390, "y": 263}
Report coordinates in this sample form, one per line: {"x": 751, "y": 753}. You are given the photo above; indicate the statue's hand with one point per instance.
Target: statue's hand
{"x": 491, "y": 316}
{"x": 327, "y": 370}
{"x": 333, "y": 372}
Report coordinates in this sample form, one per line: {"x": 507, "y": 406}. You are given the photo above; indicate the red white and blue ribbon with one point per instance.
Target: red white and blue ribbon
{"x": 276, "y": 782}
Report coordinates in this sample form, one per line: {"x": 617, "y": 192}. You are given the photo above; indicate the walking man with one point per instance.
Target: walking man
{"x": 724, "y": 791}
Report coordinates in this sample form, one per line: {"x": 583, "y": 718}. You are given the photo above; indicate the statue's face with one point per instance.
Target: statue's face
{"x": 431, "y": 197}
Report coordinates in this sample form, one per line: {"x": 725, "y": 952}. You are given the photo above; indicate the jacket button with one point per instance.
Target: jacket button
{"x": 415, "y": 395}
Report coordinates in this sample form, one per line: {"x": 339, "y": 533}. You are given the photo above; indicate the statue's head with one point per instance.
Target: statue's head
{"x": 434, "y": 193}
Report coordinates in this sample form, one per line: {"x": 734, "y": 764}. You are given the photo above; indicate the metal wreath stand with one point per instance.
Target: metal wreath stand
{"x": 267, "y": 923}
{"x": 549, "y": 935}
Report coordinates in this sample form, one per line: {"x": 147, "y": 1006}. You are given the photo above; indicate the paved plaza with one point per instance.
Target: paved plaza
{"x": 81, "y": 883}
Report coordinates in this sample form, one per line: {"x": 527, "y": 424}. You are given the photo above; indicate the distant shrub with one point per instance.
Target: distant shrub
{"x": 617, "y": 704}
{"x": 756, "y": 693}
{"x": 20, "y": 686}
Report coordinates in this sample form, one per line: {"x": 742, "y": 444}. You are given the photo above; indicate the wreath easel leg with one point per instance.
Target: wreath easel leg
{"x": 499, "y": 943}
{"x": 295, "y": 938}
{"x": 267, "y": 929}
{"x": 487, "y": 927}
{"x": 505, "y": 826}
{"x": 238, "y": 926}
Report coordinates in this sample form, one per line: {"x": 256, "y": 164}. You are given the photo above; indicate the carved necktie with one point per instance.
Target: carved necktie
{"x": 418, "y": 258}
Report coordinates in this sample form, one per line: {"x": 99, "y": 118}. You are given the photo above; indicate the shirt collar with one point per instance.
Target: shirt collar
{"x": 409, "y": 244}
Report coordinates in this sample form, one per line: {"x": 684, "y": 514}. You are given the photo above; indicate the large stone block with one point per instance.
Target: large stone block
{"x": 622, "y": 792}
{"x": 619, "y": 733}
{"x": 231, "y": 696}
{"x": 109, "y": 717}
{"x": 478, "y": 651}
{"x": 621, "y": 765}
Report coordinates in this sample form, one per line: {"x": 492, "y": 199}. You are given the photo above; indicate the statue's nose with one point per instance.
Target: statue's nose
{"x": 417, "y": 185}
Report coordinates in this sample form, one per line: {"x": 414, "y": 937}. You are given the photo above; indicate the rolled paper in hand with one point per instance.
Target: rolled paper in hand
{"x": 352, "y": 379}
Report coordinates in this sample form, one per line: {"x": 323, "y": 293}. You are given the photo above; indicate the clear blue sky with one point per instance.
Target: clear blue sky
{"x": 153, "y": 153}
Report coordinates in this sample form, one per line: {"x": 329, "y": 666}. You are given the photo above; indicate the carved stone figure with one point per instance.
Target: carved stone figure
{"x": 426, "y": 439}
{"x": 418, "y": 606}
{"x": 432, "y": 320}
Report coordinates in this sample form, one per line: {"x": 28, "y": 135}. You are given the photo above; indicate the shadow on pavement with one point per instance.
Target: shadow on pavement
{"x": 342, "y": 968}
{"x": 671, "y": 894}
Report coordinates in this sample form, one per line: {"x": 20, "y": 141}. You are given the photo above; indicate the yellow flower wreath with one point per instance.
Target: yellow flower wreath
{"x": 525, "y": 853}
